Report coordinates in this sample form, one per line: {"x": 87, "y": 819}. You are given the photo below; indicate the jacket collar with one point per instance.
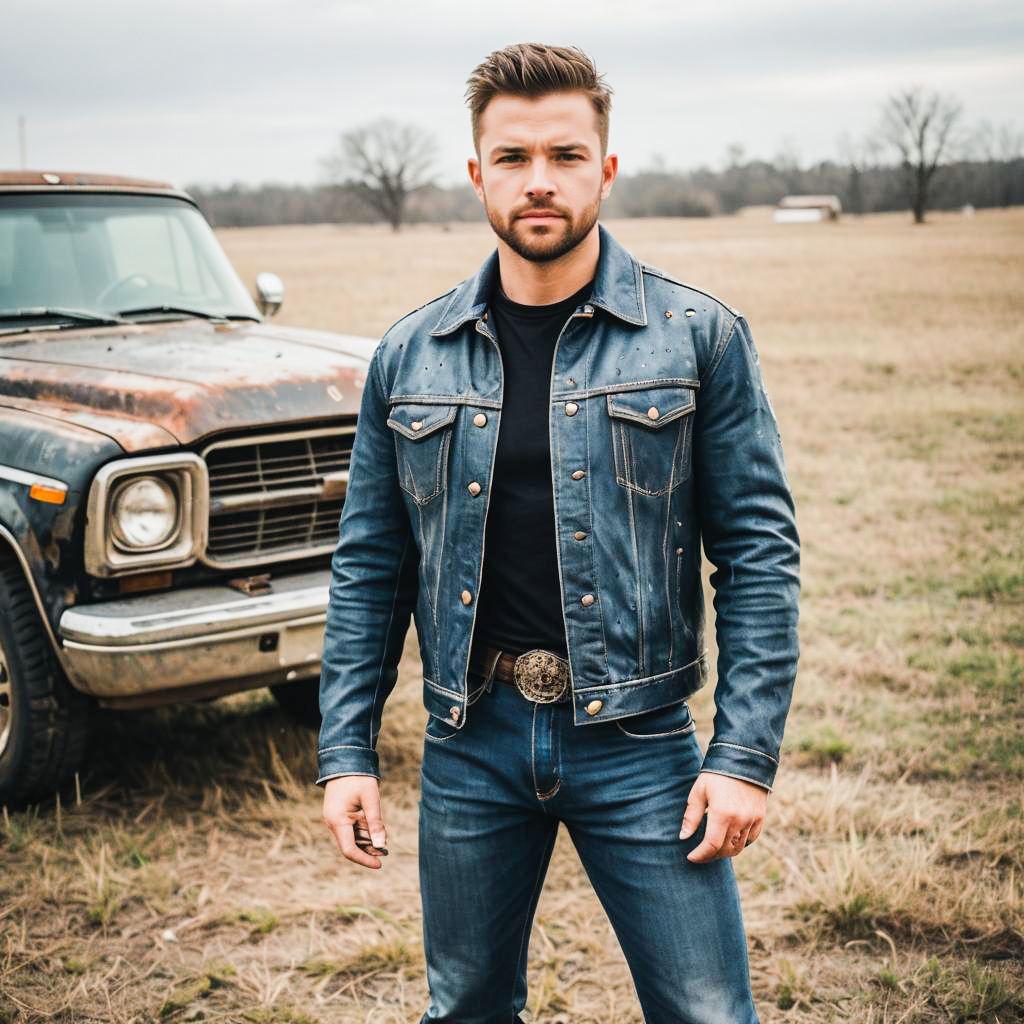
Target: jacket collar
{"x": 618, "y": 288}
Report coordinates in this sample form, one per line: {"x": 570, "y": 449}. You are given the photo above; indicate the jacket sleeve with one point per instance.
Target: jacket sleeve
{"x": 373, "y": 589}
{"x": 749, "y": 533}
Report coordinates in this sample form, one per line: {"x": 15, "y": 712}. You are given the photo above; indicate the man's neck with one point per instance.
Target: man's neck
{"x": 540, "y": 284}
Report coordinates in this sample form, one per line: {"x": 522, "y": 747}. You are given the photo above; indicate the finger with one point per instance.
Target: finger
{"x": 374, "y": 822}
{"x": 344, "y": 836}
{"x": 359, "y": 823}
{"x": 734, "y": 841}
{"x": 348, "y": 834}
{"x": 755, "y": 831}
{"x": 695, "y": 806}
{"x": 364, "y": 842}
{"x": 714, "y": 837}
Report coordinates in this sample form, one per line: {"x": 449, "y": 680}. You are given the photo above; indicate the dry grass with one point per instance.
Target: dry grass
{"x": 194, "y": 880}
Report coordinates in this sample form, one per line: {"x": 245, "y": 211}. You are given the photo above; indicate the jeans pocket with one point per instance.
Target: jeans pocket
{"x": 671, "y": 720}
{"x": 438, "y": 730}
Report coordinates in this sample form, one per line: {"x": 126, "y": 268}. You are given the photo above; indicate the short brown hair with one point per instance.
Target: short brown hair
{"x": 532, "y": 70}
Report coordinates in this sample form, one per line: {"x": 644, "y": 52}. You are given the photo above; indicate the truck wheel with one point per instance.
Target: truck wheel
{"x": 300, "y": 700}
{"x": 43, "y": 721}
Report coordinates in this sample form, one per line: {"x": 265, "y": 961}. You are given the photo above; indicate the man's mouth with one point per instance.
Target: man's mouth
{"x": 539, "y": 215}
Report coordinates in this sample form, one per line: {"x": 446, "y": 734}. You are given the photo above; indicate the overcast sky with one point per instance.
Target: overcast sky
{"x": 215, "y": 91}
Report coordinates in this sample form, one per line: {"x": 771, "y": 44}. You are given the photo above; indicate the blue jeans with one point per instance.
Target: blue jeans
{"x": 491, "y": 797}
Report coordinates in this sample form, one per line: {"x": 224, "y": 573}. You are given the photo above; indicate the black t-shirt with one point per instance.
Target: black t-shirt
{"x": 520, "y": 603}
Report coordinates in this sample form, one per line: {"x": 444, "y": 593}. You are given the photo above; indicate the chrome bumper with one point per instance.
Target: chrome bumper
{"x": 199, "y": 635}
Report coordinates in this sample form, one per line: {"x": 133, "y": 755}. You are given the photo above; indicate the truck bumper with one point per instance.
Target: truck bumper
{"x": 210, "y": 638}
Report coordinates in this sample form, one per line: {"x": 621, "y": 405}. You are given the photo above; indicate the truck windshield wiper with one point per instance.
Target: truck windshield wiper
{"x": 83, "y": 316}
{"x": 183, "y": 311}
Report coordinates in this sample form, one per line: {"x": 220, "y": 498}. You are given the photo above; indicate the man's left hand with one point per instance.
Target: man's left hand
{"x": 735, "y": 810}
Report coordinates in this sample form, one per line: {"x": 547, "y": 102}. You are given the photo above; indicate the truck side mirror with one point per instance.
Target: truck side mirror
{"x": 269, "y": 292}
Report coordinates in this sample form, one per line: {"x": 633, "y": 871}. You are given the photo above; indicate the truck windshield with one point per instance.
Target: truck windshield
{"x": 105, "y": 253}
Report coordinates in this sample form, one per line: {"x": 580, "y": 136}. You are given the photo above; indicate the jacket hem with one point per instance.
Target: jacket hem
{"x": 346, "y": 760}
{"x": 338, "y": 775}
{"x": 641, "y": 681}
{"x": 633, "y": 696}
{"x": 741, "y": 763}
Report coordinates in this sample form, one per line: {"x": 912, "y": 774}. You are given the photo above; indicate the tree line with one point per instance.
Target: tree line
{"x": 919, "y": 157}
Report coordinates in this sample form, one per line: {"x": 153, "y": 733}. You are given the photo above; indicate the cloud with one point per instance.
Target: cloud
{"x": 226, "y": 90}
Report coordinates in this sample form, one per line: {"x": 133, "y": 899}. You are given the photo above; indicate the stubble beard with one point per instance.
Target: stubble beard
{"x": 547, "y": 246}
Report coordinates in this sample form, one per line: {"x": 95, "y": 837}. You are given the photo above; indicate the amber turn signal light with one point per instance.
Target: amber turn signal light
{"x": 51, "y": 495}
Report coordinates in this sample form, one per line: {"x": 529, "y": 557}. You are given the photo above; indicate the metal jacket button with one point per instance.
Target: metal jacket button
{"x": 571, "y": 408}
{"x": 653, "y": 412}
{"x": 578, "y": 474}
{"x": 594, "y": 706}
{"x": 587, "y": 599}
{"x": 416, "y": 424}
{"x": 474, "y": 488}
{"x": 466, "y": 597}
{"x": 580, "y": 535}
{"x": 454, "y": 712}
{"x": 479, "y": 419}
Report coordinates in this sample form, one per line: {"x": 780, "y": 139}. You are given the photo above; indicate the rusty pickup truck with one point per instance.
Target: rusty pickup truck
{"x": 172, "y": 469}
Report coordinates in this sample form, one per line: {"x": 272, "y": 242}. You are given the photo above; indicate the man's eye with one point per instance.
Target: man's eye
{"x": 570, "y": 156}
{"x": 509, "y": 158}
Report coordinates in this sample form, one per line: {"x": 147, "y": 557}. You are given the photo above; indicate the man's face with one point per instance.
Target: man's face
{"x": 540, "y": 174}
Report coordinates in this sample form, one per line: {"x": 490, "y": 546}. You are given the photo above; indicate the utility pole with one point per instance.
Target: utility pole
{"x": 21, "y": 141}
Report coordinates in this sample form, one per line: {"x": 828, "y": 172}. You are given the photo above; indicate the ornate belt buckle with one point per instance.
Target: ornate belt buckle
{"x": 541, "y": 676}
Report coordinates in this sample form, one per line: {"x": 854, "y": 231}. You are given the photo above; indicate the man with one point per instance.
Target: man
{"x": 553, "y": 568}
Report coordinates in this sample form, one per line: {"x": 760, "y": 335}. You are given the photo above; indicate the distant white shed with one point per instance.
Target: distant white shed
{"x": 806, "y": 209}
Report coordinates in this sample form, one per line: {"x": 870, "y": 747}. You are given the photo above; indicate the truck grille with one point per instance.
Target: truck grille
{"x": 276, "y": 496}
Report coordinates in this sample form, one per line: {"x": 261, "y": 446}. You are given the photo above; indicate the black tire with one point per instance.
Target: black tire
{"x": 300, "y": 700}
{"x": 43, "y": 720}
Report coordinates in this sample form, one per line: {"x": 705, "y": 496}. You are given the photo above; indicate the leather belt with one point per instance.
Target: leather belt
{"x": 539, "y": 675}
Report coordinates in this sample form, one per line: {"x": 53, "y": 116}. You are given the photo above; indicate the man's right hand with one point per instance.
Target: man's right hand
{"x": 350, "y": 800}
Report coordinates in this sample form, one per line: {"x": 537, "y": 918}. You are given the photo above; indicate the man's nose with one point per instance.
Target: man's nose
{"x": 539, "y": 181}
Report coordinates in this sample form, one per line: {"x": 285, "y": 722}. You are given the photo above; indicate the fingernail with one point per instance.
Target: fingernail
{"x": 684, "y": 833}
{"x": 378, "y": 838}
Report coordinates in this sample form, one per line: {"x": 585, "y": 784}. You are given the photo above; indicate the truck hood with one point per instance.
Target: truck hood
{"x": 158, "y": 385}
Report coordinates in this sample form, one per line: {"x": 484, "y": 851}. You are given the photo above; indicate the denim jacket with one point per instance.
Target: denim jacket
{"x": 662, "y": 439}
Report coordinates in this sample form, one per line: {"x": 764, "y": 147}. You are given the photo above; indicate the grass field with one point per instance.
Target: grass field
{"x": 194, "y": 879}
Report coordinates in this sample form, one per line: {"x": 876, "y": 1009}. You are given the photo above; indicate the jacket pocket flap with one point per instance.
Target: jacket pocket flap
{"x": 652, "y": 407}
{"x": 419, "y": 421}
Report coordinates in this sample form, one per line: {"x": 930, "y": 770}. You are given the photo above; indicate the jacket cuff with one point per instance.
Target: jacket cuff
{"x": 726, "y": 758}
{"x": 346, "y": 760}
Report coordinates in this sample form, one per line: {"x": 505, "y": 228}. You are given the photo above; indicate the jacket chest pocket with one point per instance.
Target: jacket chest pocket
{"x": 422, "y": 438}
{"x": 650, "y": 434}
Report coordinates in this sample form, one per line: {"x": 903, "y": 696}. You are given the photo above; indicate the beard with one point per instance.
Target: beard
{"x": 543, "y": 246}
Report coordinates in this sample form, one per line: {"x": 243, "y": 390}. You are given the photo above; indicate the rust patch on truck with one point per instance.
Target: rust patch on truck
{"x": 182, "y": 381}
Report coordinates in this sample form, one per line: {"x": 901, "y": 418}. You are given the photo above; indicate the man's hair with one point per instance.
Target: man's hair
{"x": 532, "y": 70}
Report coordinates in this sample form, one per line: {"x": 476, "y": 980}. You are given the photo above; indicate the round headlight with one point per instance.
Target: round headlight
{"x": 144, "y": 513}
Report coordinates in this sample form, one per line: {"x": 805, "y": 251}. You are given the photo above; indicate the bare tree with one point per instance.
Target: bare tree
{"x": 383, "y": 161}
{"x": 920, "y": 125}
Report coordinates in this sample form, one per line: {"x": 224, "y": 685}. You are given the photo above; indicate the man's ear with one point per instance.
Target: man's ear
{"x": 473, "y": 166}
{"x": 609, "y": 169}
